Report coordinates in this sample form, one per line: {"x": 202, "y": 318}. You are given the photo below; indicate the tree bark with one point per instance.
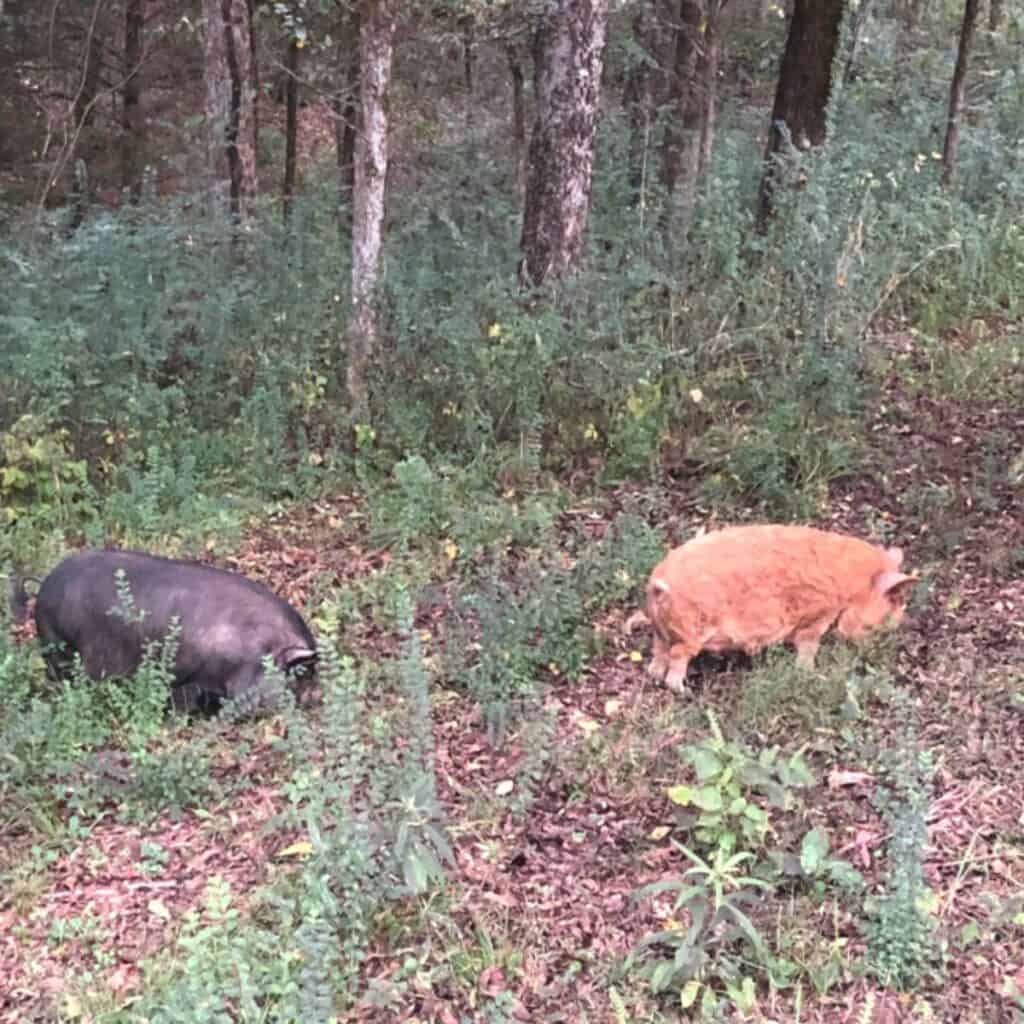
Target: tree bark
{"x": 376, "y": 39}
{"x": 568, "y": 52}
{"x": 860, "y": 19}
{"x": 291, "y": 126}
{"x": 996, "y": 15}
{"x": 956, "y": 90}
{"x": 681, "y": 97}
{"x": 132, "y": 127}
{"x": 710, "y": 57}
{"x": 805, "y": 81}
{"x": 637, "y": 100}
{"x": 515, "y": 67}
{"x": 230, "y": 116}
{"x": 345, "y": 106}
{"x": 468, "y": 29}
{"x": 84, "y": 105}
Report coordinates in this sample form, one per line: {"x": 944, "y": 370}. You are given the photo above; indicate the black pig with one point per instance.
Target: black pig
{"x": 229, "y": 624}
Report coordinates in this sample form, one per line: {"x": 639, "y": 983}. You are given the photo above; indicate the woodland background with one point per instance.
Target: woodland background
{"x": 445, "y": 320}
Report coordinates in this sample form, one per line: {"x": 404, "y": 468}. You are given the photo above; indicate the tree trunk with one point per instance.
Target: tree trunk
{"x": 291, "y": 130}
{"x": 637, "y": 100}
{"x": 956, "y": 90}
{"x": 860, "y": 19}
{"x": 703, "y": 101}
{"x": 254, "y": 79}
{"x": 376, "y": 36}
{"x": 345, "y": 106}
{"x": 801, "y": 98}
{"x": 132, "y": 128}
{"x": 231, "y": 146}
{"x": 687, "y": 33}
{"x": 708, "y": 77}
{"x": 515, "y": 66}
{"x": 568, "y": 50}
{"x": 84, "y": 105}
{"x": 996, "y": 15}
{"x": 467, "y": 26}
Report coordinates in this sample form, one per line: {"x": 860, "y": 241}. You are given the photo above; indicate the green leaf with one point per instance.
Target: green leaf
{"x": 746, "y": 926}
{"x": 704, "y": 762}
{"x": 661, "y": 976}
{"x": 844, "y": 874}
{"x": 797, "y": 772}
{"x": 969, "y": 933}
{"x": 708, "y": 798}
{"x": 813, "y": 851}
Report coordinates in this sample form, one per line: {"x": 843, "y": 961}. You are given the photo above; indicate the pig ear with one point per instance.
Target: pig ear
{"x": 894, "y": 585}
{"x": 298, "y": 656}
{"x": 895, "y": 557}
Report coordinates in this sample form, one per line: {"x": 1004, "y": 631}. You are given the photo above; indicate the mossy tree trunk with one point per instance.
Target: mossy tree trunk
{"x": 568, "y": 52}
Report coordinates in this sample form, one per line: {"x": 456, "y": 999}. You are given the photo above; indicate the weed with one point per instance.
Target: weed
{"x": 715, "y": 895}
{"x": 903, "y": 948}
{"x": 784, "y": 463}
{"x": 41, "y": 482}
{"x": 721, "y": 809}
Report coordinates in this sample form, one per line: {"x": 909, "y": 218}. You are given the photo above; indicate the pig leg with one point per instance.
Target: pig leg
{"x": 678, "y": 660}
{"x": 659, "y": 662}
{"x": 807, "y": 639}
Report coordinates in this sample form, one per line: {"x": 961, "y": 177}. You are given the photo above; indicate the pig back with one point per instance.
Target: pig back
{"x": 226, "y": 620}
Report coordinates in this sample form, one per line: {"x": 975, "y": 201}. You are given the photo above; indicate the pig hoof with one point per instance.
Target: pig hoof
{"x": 676, "y": 681}
{"x": 657, "y": 669}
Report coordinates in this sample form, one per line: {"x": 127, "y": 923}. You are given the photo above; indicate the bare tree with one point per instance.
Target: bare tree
{"x": 637, "y": 100}
{"x": 376, "y": 41}
{"x": 132, "y": 126}
{"x": 695, "y": 95}
{"x": 805, "y": 82}
{"x": 515, "y": 66}
{"x": 230, "y": 110}
{"x": 568, "y": 48}
{"x": 707, "y": 78}
{"x": 291, "y": 130}
{"x": 956, "y": 90}
{"x": 345, "y": 107}
{"x": 681, "y": 91}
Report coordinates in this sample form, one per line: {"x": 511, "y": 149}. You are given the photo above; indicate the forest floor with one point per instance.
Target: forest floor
{"x": 545, "y": 899}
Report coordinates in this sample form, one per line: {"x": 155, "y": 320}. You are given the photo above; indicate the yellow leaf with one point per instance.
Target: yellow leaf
{"x": 659, "y": 833}
{"x": 681, "y": 795}
{"x": 553, "y": 668}
{"x": 451, "y": 550}
{"x": 588, "y": 726}
{"x": 635, "y": 656}
{"x": 303, "y": 848}
{"x": 688, "y": 994}
{"x": 494, "y": 331}
{"x": 504, "y": 787}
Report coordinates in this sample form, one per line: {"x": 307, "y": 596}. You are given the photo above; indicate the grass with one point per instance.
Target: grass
{"x": 553, "y": 829}
{"x": 459, "y": 828}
